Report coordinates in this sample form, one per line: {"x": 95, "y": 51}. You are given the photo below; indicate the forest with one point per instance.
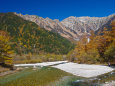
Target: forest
{"x": 21, "y": 37}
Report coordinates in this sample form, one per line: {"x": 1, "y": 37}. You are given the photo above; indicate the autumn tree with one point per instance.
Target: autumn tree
{"x": 109, "y": 53}
{"x": 5, "y": 49}
{"x": 106, "y": 43}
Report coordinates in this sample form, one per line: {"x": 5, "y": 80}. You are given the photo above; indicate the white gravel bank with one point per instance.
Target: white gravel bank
{"x": 40, "y": 64}
{"x": 84, "y": 70}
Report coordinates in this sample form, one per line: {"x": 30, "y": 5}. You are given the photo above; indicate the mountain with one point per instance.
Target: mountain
{"x": 83, "y": 25}
{"x": 51, "y": 25}
{"x": 71, "y": 27}
{"x": 28, "y": 37}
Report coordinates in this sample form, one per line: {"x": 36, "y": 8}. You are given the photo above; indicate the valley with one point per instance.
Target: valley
{"x": 36, "y": 51}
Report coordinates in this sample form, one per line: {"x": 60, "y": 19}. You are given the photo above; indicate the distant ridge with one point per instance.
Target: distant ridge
{"x": 71, "y": 27}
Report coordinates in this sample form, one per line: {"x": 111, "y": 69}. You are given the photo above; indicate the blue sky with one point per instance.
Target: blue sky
{"x": 59, "y": 9}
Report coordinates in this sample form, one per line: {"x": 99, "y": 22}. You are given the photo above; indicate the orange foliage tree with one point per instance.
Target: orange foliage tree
{"x": 99, "y": 48}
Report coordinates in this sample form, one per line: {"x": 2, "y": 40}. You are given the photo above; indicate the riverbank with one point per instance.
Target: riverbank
{"x": 7, "y": 71}
{"x": 84, "y": 70}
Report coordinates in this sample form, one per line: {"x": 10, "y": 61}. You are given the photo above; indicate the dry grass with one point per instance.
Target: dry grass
{"x": 2, "y": 69}
{"x": 37, "y": 58}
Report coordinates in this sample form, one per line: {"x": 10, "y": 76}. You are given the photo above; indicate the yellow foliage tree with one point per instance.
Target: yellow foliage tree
{"x": 5, "y": 49}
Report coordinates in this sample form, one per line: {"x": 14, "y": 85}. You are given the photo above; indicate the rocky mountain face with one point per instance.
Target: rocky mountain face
{"x": 51, "y": 25}
{"x": 83, "y": 25}
{"x": 71, "y": 27}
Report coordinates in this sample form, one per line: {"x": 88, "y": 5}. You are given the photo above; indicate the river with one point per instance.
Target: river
{"x": 48, "y": 76}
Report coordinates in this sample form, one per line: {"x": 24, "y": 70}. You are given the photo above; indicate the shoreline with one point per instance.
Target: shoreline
{"x": 82, "y": 70}
{"x": 7, "y": 72}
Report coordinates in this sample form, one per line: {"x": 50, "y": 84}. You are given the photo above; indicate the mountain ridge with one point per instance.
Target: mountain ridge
{"x": 71, "y": 27}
